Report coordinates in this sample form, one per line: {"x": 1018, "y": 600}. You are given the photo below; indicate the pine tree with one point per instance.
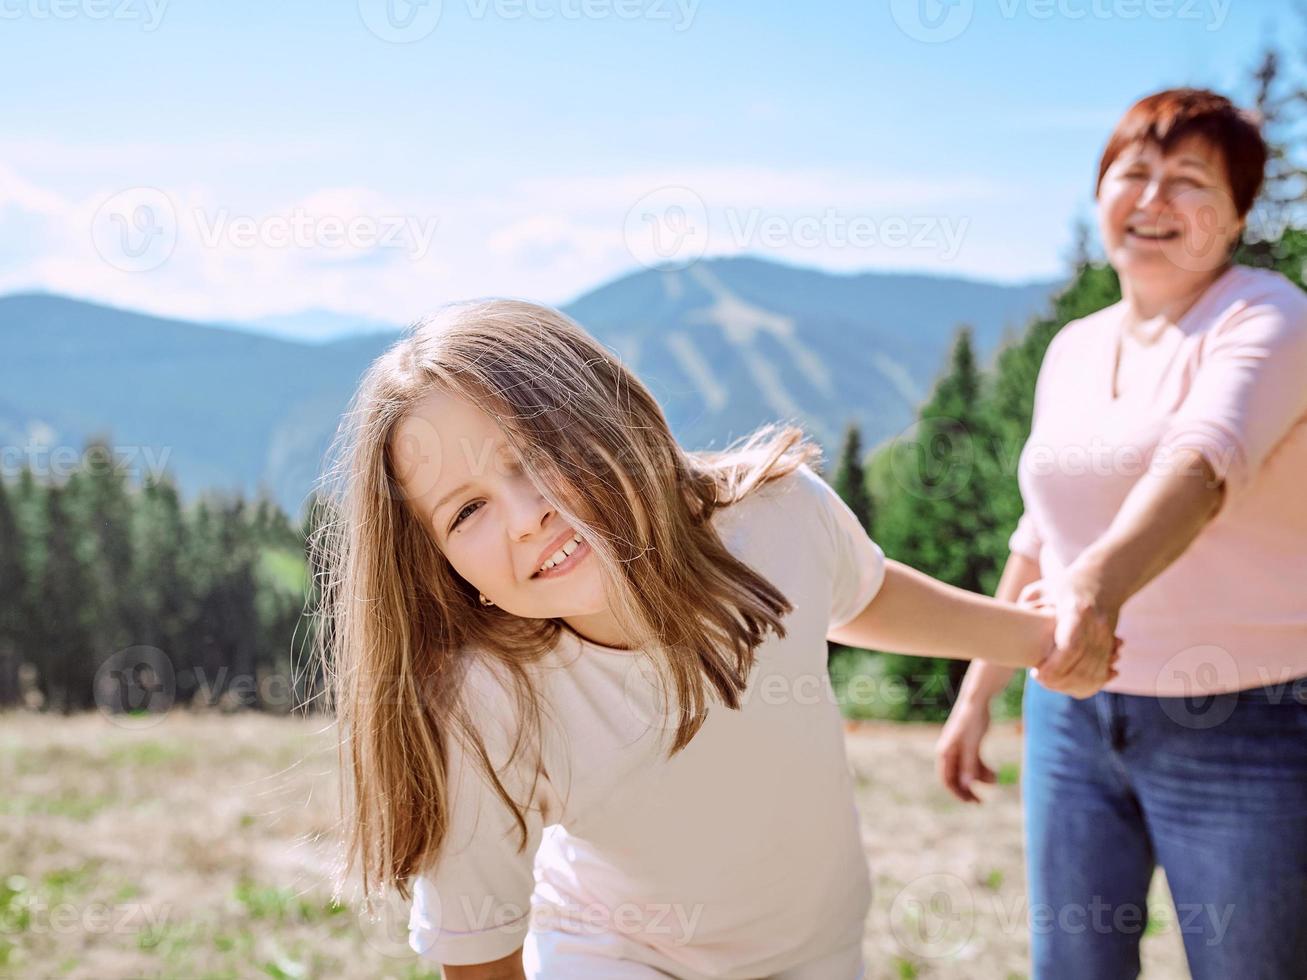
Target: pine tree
{"x": 226, "y": 615}
{"x": 103, "y": 509}
{"x": 938, "y": 508}
{"x": 65, "y": 637}
{"x": 164, "y": 599}
{"x": 1281, "y": 105}
{"x": 850, "y": 479}
{"x": 13, "y": 598}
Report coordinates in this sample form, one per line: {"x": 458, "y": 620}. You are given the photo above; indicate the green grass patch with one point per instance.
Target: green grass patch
{"x": 268, "y": 902}
{"x": 146, "y": 754}
{"x": 171, "y": 939}
{"x": 15, "y": 905}
{"x": 63, "y": 883}
{"x": 67, "y": 804}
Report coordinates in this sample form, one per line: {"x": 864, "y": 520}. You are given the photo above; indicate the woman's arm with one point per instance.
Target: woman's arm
{"x": 1161, "y": 516}
{"x": 915, "y": 614}
{"x": 1159, "y": 519}
{"x": 507, "y": 968}
{"x": 1247, "y": 394}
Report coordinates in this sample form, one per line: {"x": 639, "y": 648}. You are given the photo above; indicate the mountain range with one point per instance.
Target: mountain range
{"x": 725, "y": 345}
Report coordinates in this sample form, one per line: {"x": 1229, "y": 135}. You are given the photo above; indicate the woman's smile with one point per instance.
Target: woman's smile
{"x": 1150, "y": 233}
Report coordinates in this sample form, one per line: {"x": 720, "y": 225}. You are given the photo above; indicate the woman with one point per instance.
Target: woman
{"x": 1162, "y": 488}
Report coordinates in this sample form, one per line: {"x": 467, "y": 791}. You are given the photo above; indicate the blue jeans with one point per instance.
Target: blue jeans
{"x": 1214, "y": 789}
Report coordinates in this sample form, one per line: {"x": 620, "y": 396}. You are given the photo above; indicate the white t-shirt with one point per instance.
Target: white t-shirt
{"x": 741, "y": 855}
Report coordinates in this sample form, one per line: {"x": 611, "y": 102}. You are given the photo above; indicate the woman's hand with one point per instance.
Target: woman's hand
{"x": 1085, "y": 646}
{"x": 957, "y": 752}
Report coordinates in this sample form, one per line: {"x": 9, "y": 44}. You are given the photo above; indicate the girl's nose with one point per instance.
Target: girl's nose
{"x": 531, "y": 511}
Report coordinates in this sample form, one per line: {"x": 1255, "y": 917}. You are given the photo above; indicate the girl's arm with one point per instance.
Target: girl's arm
{"x": 916, "y": 614}
{"x": 985, "y": 678}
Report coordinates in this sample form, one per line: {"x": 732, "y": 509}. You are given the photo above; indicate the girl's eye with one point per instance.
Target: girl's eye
{"x": 459, "y": 518}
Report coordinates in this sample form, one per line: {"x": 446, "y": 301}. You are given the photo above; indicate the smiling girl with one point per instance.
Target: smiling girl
{"x": 581, "y": 675}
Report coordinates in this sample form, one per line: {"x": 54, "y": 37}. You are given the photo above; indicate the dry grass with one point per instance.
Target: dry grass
{"x": 198, "y": 846}
{"x": 949, "y": 889}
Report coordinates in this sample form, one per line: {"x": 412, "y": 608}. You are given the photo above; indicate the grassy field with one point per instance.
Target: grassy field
{"x": 197, "y": 846}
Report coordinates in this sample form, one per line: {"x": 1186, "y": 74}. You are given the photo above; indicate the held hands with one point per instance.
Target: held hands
{"x": 1085, "y": 648}
{"x": 1082, "y": 651}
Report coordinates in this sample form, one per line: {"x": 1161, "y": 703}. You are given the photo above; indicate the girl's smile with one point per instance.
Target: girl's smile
{"x": 569, "y": 561}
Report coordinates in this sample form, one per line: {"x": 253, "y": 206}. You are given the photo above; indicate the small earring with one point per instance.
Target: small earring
{"x": 485, "y": 601}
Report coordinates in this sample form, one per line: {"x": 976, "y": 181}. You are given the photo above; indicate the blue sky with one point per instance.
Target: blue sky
{"x": 277, "y": 156}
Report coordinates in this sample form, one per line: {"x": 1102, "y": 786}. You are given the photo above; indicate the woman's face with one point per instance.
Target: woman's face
{"x": 1167, "y": 218}
{"x": 465, "y": 484}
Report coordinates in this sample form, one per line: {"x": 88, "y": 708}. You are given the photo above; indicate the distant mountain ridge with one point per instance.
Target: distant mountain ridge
{"x": 725, "y": 345}
{"x": 317, "y": 326}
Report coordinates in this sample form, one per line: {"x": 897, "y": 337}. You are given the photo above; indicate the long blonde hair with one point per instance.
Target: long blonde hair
{"x": 397, "y": 626}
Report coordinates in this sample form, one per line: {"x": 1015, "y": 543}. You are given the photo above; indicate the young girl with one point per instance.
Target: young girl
{"x": 581, "y": 672}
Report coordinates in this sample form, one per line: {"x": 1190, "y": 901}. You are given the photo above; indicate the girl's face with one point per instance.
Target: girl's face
{"x": 464, "y": 483}
{"x": 1167, "y": 218}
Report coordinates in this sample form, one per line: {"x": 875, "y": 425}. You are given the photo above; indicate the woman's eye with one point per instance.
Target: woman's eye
{"x": 459, "y": 519}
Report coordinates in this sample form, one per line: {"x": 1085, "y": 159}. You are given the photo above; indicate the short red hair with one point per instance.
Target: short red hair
{"x": 1165, "y": 118}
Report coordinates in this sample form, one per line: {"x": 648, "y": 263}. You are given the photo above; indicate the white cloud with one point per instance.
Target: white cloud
{"x": 89, "y": 157}
{"x": 737, "y": 187}
{"x": 358, "y": 250}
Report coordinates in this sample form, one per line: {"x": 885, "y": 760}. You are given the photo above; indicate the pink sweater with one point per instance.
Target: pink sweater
{"x": 1230, "y": 379}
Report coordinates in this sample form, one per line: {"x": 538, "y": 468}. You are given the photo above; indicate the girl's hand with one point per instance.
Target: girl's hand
{"x": 957, "y": 753}
{"x": 1085, "y": 647}
{"x": 1035, "y": 595}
